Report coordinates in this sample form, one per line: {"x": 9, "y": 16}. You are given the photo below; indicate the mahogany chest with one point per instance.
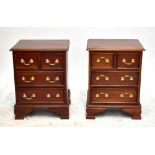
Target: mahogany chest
{"x": 114, "y": 76}
{"x": 40, "y": 73}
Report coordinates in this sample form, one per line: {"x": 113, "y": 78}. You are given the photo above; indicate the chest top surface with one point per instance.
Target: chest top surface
{"x": 114, "y": 45}
{"x": 41, "y": 46}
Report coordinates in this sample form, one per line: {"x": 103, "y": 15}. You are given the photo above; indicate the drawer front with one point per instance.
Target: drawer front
{"x": 40, "y": 95}
{"x": 113, "y": 95}
{"x": 52, "y": 61}
{"x": 104, "y": 61}
{"x": 128, "y": 61}
{"x": 53, "y": 78}
{"x": 26, "y": 61}
{"x": 114, "y": 78}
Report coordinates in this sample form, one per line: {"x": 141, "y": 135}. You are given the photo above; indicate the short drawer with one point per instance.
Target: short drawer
{"x": 114, "y": 78}
{"x": 53, "y": 61}
{"x": 26, "y": 61}
{"x": 128, "y": 61}
{"x": 39, "y": 78}
{"x": 113, "y": 95}
{"x": 102, "y": 60}
{"x": 40, "y": 95}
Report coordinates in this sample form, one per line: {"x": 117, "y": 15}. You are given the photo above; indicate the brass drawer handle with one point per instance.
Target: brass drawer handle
{"x": 29, "y": 98}
{"x": 52, "y": 64}
{"x": 57, "y": 95}
{"x": 128, "y": 63}
{"x": 28, "y": 81}
{"x": 49, "y": 95}
{"x": 106, "y": 78}
{"x": 102, "y": 93}
{"x": 106, "y": 60}
{"x": 50, "y": 81}
{"x": 130, "y": 95}
{"x": 123, "y": 78}
{"x": 22, "y": 61}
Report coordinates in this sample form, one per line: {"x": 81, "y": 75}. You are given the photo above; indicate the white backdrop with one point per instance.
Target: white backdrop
{"x": 81, "y": 13}
{"x": 78, "y": 58}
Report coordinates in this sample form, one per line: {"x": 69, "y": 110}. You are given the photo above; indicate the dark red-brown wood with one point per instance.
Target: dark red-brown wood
{"x": 114, "y": 76}
{"x": 41, "y": 46}
{"x": 40, "y": 73}
{"x": 130, "y": 45}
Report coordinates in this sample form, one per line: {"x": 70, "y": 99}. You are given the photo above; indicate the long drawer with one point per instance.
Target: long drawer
{"x": 114, "y": 78}
{"x": 40, "y": 78}
{"x": 113, "y": 95}
{"x": 40, "y": 95}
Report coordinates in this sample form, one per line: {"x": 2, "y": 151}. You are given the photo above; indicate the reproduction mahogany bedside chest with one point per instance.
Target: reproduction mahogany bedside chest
{"x": 40, "y": 73}
{"x": 114, "y": 76}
